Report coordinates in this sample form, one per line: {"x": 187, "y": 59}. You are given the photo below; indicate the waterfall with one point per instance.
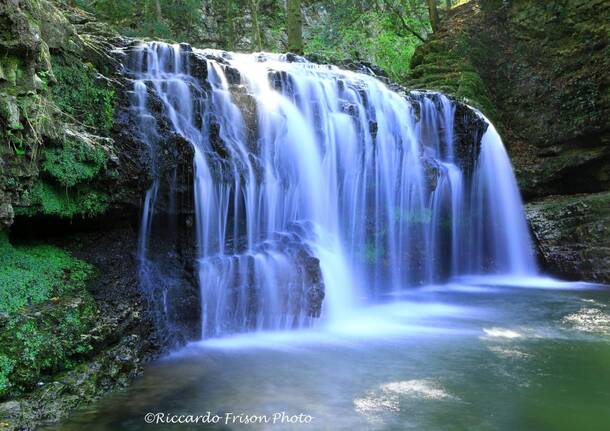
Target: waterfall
{"x": 315, "y": 185}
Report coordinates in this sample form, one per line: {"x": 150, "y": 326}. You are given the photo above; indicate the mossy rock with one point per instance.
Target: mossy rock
{"x": 443, "y": 64}
{"x": 44, "y": 340}
{"x": 49, "y": 199}
{"x": 75, "y": 162}
{"x": 56, "y": 112}
{"x": 30, "y": 274}
{"x": 83, "y": 94}
{"x": 45, "y": 309}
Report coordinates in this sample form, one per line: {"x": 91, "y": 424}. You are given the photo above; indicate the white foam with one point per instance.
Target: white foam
{"x": 423, "y": 388}
{"x": 527, "y": 282}
{"x": 501, "y": 333}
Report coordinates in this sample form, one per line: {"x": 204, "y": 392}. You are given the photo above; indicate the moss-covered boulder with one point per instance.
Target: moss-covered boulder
{"x": 31, "y": 274}
{"x": 86, "y": 382}
{"x": 44, "y": 340}
{"x": 539, "y": 70}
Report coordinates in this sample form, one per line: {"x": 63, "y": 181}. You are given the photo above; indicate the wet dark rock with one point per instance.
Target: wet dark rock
{"x": 294, "y": 58}
{"x": 198, "y": 66}
{"x": 248, "y": 107}
{"x": 469, "y": 128}
{"x": 573, "y": 234}
{"x": 281, "y": 81}
{"x": 233, "y": 76}
{"x": 348, "y": 108}
{"x": 347, "y": 64}
{"x": 315, "y": 284}
{"x": 373, "y": 127}
{"x": 432, "y": 172}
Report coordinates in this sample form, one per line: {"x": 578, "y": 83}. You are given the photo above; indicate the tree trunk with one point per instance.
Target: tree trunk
{"x": 229, "y": 14}
{"x": 158, "y": 10}
{"x": 433, "y": 14}
{"x": 294, "y": 26}
{"x": 258, "y": 40}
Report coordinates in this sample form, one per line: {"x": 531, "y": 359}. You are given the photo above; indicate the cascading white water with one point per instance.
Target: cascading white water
{"x": 308, "y": 176}
{"x": 497, "y": 200}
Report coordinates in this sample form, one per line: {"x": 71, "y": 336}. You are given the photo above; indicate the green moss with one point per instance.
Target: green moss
{"x": 48, "y": 199}
{"x": 6, "y": 367}
{"x": 443, "y": 64}
{"x": 34, "y": 273}
{"x": 75, "y": 162}
{"x": 79, "y": 95}
{"x": 67, "y": 186}
{"x": 50, "y": 339}
{"x": 10, "y": 69}
{"x": 46, "y": 312}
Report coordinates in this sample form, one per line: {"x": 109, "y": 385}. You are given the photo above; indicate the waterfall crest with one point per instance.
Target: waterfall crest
{"x": 315, "y": 185}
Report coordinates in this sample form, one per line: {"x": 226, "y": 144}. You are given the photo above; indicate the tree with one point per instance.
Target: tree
{"x": 229, "y": 21}
{"x": 434, "y": 21}
{"x": 158, "y": 10}
{"x": 400, "y": 17}
{"x": 258, "y": 39}
{"x": 294, "y": 24}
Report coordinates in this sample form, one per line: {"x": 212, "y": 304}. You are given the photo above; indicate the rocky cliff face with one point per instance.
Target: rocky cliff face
{"x": 72, "y": 324}
{"x": 50, "y": 144}
{"x": 539, "y": 70}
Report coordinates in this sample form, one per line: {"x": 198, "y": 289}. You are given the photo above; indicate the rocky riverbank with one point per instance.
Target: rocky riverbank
{"x": 73, "y": 323}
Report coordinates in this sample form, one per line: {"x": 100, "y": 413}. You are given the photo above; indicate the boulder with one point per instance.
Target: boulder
{"x": 573, "y": 234}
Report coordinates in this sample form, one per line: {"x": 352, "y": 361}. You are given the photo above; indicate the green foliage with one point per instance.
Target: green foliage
{"x": 46, "y": 310}
{"x": 382, "y": 32}
{"x": 11, "y": 70}
{"x": 79, "y": 95}
{"x": 44, "y": 342}
{"x": 48, "y": 199}
{"x": 6, "y": 367}
{"x": 34, "y": 273}
{"x": 66, "y": 187}
{"x": 373, "y": 31}
{"x": 175, "y": 20}
{"x": 15, "y": 140}
{"x": 75, "y": 162}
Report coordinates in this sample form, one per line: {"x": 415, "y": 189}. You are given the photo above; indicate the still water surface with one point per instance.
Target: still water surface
{"x": 469, "y": 356}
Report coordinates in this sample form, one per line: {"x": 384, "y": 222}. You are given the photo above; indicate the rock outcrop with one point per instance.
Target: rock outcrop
{"x": 63, "y": 153}
{"x": 539, "y": 71}
{"x": 573, "y": 234}
{"x": 72, "y": 326}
